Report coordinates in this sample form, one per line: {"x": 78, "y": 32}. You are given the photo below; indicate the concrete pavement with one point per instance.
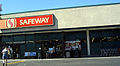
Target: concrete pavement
{"x": 90, "y": 61}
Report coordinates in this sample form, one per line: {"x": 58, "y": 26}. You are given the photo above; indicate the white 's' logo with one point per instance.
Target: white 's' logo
{"x": 11, "y": 23}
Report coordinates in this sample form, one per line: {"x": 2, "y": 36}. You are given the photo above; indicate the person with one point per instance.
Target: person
{"x": 71, "y": 52}
{"x": 78, "y": 44}
{"x": 10, "y": 52}
{"x": 79, "y": 50}
{"x": 5, "y": 55}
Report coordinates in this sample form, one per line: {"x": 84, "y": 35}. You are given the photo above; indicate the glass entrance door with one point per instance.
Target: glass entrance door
{"x": 14, "y": 51}
{"x": 52, "y": 49}
{"x": 48, "y": 49}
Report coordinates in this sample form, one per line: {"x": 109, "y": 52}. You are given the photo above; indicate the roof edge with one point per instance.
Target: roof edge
{"x": 64, "y": 8}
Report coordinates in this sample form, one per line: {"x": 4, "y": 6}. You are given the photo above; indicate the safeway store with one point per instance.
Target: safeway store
{"x": 65, "y": 32}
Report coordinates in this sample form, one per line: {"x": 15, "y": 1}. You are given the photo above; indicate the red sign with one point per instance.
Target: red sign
{"x": 30, "y": 21}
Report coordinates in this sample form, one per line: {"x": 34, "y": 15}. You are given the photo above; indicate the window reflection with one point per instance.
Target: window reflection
{"x": 105, "y": 39}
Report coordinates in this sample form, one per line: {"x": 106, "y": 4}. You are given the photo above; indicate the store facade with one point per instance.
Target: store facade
{"x": 58, "y": 33}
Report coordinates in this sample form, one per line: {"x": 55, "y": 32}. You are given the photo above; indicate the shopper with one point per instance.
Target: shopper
{"x": 5, "y": 55}
{"x": 78, "y": 46}
{"x": 71, "y": 52}
{"x": 11, "y": 52}
{"x": 79, "y": 50}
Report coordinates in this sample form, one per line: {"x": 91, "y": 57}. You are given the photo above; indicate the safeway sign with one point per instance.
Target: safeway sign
{"x": 28, "y": 21}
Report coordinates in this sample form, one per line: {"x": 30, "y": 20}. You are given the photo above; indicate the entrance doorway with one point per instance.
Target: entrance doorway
{"x": 14, "y": 51}
{"x": 52, "y": 49}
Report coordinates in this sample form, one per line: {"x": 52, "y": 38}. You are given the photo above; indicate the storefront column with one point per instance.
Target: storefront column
{"x": 88, "y": 42}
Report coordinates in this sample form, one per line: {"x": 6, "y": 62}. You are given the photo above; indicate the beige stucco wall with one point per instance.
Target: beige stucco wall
{"x": 80, "y": 17}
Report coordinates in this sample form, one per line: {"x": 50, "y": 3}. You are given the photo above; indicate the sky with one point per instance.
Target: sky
{"x": 15, "y": 6}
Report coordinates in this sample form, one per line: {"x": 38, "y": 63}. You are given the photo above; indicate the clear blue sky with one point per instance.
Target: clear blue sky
{"x": 13, "y": 6}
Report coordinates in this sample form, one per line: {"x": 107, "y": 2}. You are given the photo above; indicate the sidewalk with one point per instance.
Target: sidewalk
{"x": 118, "y": 57}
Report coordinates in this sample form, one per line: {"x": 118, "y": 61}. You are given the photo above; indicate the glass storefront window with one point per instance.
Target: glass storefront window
{"x": 30, "y": 43}
{"x": 7, "y": 39}
{"x": 29, "y": 47}
{"x": 19, "y": 38}
{"x": 30, "y": 37}
{"x": 49, "y": 36}
{"x": 51, "y": 43}
{"x": 105, "y": 39}
{"x": 75, "y": 35}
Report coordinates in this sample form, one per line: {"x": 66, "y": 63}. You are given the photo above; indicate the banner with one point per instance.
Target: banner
{"x": 27, "y": 22}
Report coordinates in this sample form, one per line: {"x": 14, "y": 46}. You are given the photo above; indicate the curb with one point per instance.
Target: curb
{"x": 116, "y": 57}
